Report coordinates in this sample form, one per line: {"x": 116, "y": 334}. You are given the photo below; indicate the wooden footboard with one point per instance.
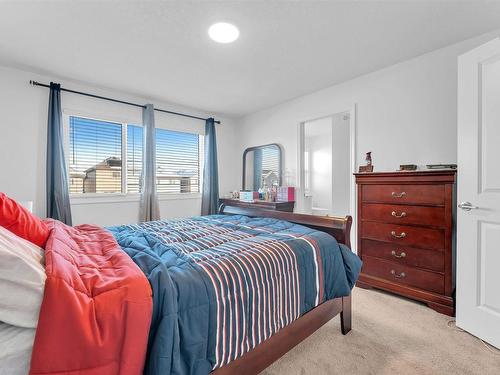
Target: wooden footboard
{"x": 264, "y": 354}
{"x": 276, "y": 346}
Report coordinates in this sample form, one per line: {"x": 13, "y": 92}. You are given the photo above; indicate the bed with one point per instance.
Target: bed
{"x": 218, "y": 294}
{"x": 225, "y": 285}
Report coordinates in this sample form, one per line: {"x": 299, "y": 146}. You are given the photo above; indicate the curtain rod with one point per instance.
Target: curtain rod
{"x": 35, "y": 83}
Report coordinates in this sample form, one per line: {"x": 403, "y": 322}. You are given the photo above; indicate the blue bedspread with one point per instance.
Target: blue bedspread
{"x": 223, "y": 284}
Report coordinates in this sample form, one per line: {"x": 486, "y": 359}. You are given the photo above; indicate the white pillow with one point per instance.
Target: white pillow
{"x": 22, "y": 280}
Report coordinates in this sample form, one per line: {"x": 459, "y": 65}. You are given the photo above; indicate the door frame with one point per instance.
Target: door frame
{"x": 351, "y": 110}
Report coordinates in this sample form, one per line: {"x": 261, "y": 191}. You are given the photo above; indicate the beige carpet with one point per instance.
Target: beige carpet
{"x": 390, "y": 335}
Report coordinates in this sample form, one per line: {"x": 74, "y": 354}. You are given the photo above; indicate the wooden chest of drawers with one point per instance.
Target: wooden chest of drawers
{"x": 406, "y": 235}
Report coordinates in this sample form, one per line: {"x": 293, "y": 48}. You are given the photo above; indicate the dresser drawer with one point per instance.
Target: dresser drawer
{"x": 404, "y": 255}
{"x": 405, "y": 235}
{"x": 409, "y": 194}
{"x": 397, "y": 214}
{"x": 401, "y": 274}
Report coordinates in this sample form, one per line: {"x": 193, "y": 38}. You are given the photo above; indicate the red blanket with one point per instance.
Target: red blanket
{"x": 96, "y": 309}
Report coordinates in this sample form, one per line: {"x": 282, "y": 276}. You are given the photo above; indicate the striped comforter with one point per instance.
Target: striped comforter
{"x": 223, "y": 284}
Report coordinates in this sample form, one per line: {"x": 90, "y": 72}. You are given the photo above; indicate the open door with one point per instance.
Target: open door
{"x": 326, "y": 165}
{"x": 478, "y": 214}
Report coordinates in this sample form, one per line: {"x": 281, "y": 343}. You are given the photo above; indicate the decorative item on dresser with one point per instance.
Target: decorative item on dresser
{"x": 369, "y": 163}
{"x": 406, "y": 234}
{"x": 258, "y": 204}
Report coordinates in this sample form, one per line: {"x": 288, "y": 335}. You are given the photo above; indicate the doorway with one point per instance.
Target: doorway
{"x": 326, "y": 149}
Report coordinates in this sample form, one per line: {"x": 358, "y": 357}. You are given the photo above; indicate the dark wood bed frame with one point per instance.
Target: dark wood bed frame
{"x": 276, "y": 346}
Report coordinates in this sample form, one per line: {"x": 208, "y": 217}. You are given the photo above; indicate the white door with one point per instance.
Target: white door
{"x": 478, "y": 215}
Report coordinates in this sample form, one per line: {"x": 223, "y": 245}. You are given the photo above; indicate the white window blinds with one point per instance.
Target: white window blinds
{"x": 95, "y": 158}
{"x": 95, "y": 149}
{"x": 178, "y": 161}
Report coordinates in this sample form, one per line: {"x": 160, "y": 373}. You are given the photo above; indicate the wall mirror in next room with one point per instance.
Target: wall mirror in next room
{"x": 262, "y": 167}
{"x": 326, "y": 165}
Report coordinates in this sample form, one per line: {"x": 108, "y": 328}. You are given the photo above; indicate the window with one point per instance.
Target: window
{"x": 96, "y": 149}
{"x": 178, "y": 161}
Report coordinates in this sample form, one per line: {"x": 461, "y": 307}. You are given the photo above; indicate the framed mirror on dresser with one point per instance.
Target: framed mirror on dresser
{"x": 262, "y": 181}
{"x": 262, "y": 167}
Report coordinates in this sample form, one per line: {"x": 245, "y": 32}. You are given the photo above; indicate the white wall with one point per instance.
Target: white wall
{"x": 406, "y": 113}
{"x": 23, "y": 115}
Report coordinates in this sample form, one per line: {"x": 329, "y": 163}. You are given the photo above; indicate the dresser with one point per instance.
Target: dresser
{"x": 406, "y": 235}
{"x": 262, "y": 204}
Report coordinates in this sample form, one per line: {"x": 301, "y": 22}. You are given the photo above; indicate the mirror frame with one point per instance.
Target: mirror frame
{"x": 247, "y": 150}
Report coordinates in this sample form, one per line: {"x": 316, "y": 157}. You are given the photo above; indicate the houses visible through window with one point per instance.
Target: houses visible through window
{"x": 96, "y": 149}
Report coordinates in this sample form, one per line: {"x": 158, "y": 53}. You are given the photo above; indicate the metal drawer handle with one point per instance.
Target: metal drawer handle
{"x": 402, "y": 275}
{"x": 402, "y": 235}
{"x": 400, "y": 195}
{"x": 402, "y": 255}
{"x": 402, "y": 214}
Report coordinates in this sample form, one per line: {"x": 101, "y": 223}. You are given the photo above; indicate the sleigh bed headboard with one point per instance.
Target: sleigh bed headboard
{"x": 338, "y": 227}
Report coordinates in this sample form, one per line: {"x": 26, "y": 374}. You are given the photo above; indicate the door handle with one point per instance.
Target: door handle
{"x": 467, "y": 206}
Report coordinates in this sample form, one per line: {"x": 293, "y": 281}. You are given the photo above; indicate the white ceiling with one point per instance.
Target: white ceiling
{"x": 161, "y": 50}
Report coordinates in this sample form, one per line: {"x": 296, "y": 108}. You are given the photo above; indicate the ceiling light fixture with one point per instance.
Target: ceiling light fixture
{"x": 223, "y": 32}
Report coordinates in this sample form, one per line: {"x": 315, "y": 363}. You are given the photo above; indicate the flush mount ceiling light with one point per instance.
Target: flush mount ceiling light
{"x": 223, "y": 32}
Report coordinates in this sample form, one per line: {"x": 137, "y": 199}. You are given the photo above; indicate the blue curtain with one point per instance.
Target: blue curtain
{"x": 58, "y": 205}
{"x": 257, "y": 169}
{"x": 210, "y": 195}
{"x": 149, "y": 208}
